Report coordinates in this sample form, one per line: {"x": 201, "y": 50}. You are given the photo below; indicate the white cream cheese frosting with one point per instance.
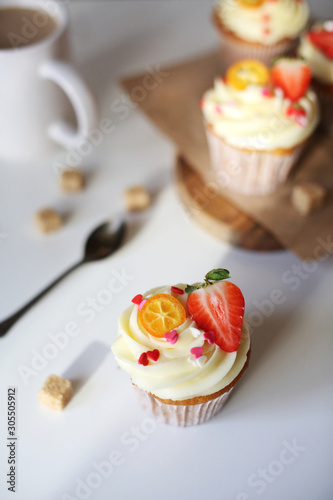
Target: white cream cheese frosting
{"x": 256, "y": 118}
{"x": 321, "y": 66}
{"x": 268, "y": 23}
{"x": 176, "y": 375}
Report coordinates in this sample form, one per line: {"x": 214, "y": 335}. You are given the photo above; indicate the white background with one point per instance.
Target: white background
{"x": 286, "y": 396}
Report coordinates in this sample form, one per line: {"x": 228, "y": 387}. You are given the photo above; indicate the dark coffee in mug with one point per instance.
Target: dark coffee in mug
{"x": 20, "y": 27}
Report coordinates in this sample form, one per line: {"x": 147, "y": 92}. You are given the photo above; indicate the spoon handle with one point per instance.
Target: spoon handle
{"x": 9, "y": 322}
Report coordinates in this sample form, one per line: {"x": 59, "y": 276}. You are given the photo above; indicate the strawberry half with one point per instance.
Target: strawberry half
{"x": 219, "y": 308}
{"x": 323, "y": 40}
{"x": 293, "y": 76}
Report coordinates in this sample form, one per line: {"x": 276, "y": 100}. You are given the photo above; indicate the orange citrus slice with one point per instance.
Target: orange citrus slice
{"x": 247, "y": 72}
{"x": 161, "y": 314}
{"x": 251, "y": 3}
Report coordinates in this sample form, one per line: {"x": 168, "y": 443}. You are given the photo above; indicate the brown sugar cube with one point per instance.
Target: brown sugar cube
{"x": 48, "y": 220}
{"x": 72, "y": 180}
{"x": 307, "y": 197}
{"x": 137, "y": 198}
{"x": 56, "y": 392}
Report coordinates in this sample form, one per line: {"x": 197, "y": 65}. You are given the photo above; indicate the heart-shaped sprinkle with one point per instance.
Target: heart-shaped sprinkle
{"x": 143, "y": 359}
{"x": 210, "y": 337}
{"x": 153, "y": 355}
{"x": 142, "y": 303}
{"x": 137, "y": 299}
{"x": 194, "y": 330}
{"x": 197, "y": 361}
{"x": 302, "y": 121}
{"x": 175, "y": 289}
{"x": 171, "y": 337}
{"x": 197, "y": 352}
{"x": 201, "y": 361}
{"x": 192, "y": 359}
{"x": 267, "y": 92}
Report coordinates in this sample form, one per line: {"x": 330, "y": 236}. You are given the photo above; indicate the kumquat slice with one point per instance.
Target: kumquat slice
{"x": 161, "y": 314}
{"x": 247, "y": 72}
{"x": 251, "y": 3}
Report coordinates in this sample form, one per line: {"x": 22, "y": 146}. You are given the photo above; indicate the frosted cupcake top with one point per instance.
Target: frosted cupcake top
{"x": 316, "y": 48}
{"x": 260, "y": 109}
{"x": 172, "y": 355}
{"x": 264, "y": 21}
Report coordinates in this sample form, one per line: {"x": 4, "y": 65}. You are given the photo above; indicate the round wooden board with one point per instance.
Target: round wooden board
{"x": 217, "y": 215}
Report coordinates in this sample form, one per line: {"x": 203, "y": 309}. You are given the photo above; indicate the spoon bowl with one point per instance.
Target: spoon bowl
{"x": 104, "y": 240}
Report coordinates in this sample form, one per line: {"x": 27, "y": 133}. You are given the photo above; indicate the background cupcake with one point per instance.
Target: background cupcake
{"x": 183, "y": 353}
{"x": 316, "y": 48}
{"x": 259, "y": 29}
{"x": 257, "y": 122}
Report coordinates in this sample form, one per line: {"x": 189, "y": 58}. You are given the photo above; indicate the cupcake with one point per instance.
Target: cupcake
{"x": 257, "y": 122}
{"x": 316, "y": 48}
{"x": 259, "y": 29}
{"x": 185, "y": 348}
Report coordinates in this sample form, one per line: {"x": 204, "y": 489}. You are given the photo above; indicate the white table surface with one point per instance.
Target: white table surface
{"x": 286, "y": 399}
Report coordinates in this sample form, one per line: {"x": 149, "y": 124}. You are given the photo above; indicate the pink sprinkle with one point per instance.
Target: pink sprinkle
{"x": 266, "y": 18}
{"x": 153, "y": 355}
{"x": 218, "y": 109}
{"x": 201, "y": 103}
{"x": 143, "y": 359}
{"x": 267, "y": 31}
{"x": 137, "y": 299}
{"x": 210, "y": 337}
{"x": 266, "y": 92}
{"x": 175, "y": 289}
{"x": 142, "y": 303}
{"x": 302, "y": 121}
{"x": 295, "y": 111}
{"x": 197, "y": 352}
{"x": 171, "y": 337}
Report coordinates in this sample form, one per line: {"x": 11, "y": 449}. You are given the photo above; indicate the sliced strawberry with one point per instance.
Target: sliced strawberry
{"x": 323, "y": 40}
{"x": 293, "y": 76}
{"x": 219, "y": 308}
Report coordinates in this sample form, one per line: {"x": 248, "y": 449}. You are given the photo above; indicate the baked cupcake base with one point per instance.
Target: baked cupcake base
{"x": 234, "y": 49}
{"x": 188, "y": 412}
{"x": 251, "y": 172}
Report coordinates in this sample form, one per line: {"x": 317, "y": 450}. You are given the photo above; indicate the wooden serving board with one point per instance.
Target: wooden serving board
{"x": 217, "y": 215}
{"x": 173, "y": 106}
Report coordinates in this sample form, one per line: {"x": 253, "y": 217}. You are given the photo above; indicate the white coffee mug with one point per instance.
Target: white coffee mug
{"x": 38, "y": 85}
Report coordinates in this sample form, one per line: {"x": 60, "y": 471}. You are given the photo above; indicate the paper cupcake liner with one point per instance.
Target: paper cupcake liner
{"x": 325, "y": 97}
{"x": 191, "y": 411}
{"x": 181, "y": 415}
{"x": 250, "y": 172}
{"x": 233, "y": 50}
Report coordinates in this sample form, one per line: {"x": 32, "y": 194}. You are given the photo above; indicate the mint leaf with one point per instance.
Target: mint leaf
{"x": 217, "y": 275}
{"x": 191, "y": 288}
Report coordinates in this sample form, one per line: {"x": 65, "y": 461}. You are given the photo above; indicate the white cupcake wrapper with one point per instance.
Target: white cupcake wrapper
{"x": 233, "y": 50}
{"x": 250, "y": 172}
{"x": 181, "y": 415}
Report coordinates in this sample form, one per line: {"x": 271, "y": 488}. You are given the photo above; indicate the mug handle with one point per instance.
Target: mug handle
{"x": 82, "y": 101}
